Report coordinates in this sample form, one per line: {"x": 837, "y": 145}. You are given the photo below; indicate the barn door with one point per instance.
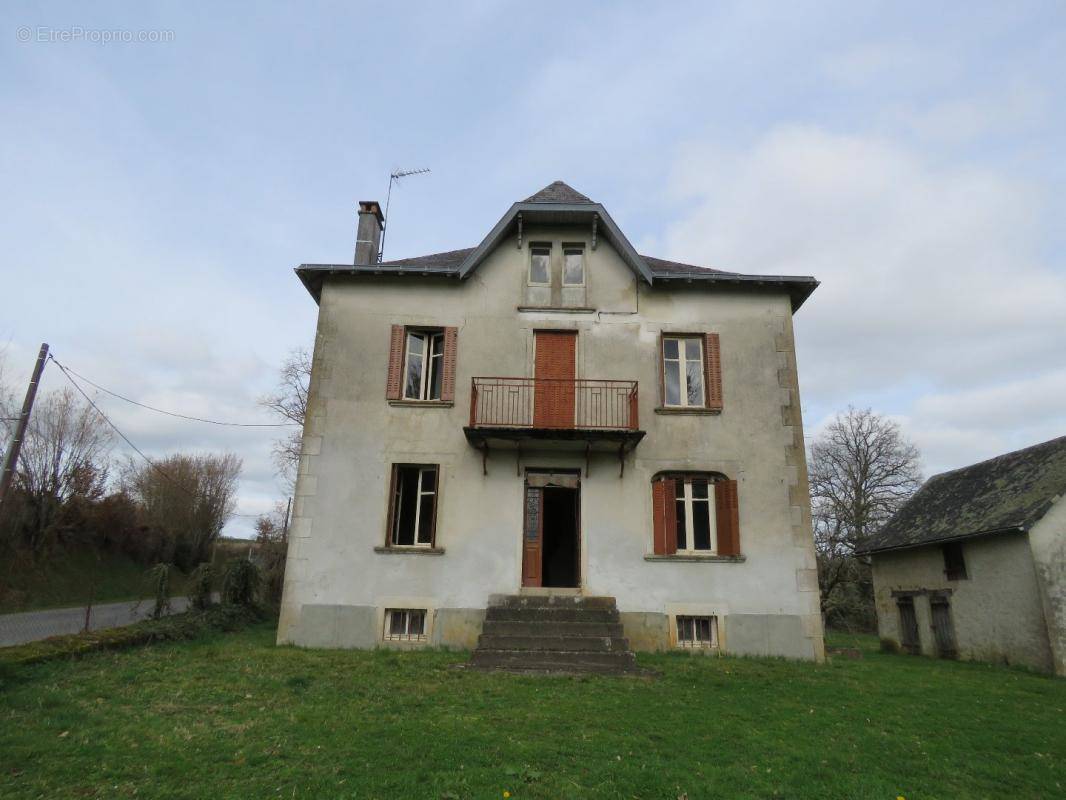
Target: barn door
{"x": 554, "y": 367}
{"x": 533, "y": 536}
{"x": 908, "y": 625}
{"x": 943, "y": 629}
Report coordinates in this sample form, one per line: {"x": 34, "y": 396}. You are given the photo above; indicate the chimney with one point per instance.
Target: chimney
{"x": 368, "y": 234}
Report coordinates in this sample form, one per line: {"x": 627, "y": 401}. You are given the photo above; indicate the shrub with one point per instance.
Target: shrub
{"x": 241, "y": 582}
{"x": 159, "y": 575}
{"x": 201, "y": 582}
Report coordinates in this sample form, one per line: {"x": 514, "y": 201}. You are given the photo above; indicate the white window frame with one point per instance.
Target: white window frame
{"x": 580, "y": 250}
{"x": 682, "y": 360}
{"x": 425, "y": 384}
{"x": 695, "y": 643}
{"x": 396, "y": 500}
{"x": 407, "y": 613}
{"x": 684, "y": 494}
{"x": 533, "y": 247}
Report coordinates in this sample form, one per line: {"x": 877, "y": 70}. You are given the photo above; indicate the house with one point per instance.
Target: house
{"x": 974, "y": 565}
{"x": 551, "y": 420}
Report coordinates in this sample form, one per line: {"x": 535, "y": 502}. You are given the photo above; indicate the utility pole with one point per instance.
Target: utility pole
{"x": 11, "y": 460}
{"x": 285, "y": 526}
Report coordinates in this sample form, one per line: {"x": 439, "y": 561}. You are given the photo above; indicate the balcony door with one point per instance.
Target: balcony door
{"x": 555, "y": 368}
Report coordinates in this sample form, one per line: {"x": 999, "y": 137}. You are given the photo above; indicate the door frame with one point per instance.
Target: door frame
{"x": 548, "y": 477}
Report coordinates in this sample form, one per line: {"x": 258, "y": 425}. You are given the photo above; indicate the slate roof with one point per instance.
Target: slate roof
{"x": 557, "y": 192}
{"x": 1008, "y": 493}
{"x": 558, "y": 203}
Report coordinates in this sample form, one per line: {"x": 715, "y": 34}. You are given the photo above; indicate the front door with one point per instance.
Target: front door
{"x": 551, "y": 554}
{"x": 554, "y": 368}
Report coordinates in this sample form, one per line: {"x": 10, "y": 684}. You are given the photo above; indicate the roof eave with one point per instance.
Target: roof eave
{"x": 799, "y": 287}
{"x": 959, "y": 537}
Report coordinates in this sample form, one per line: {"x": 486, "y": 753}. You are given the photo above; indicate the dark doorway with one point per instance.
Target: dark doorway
{"x": 943, "y": 629}
{"x": 560, "y": 551}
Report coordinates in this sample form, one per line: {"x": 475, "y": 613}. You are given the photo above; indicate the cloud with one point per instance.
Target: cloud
{"x": 937, "y": 300}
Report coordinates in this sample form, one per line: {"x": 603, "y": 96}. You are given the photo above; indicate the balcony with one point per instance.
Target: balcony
{"x": 579, "y": 413}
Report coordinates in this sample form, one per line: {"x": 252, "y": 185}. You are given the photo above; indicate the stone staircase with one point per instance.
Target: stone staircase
{"x": 553, "y": 633}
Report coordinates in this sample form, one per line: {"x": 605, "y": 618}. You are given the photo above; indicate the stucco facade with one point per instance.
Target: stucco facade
{"x": 996, "y": 611}
{"x": 340, "y": 578}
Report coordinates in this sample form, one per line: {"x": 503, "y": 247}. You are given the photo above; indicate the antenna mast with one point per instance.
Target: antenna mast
{"x": 394, "y": 178}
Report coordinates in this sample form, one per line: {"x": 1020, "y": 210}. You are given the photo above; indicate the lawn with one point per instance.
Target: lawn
{"x": 233, "y": 716}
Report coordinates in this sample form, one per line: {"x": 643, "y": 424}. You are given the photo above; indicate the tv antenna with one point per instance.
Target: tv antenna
{"x": 394, "y": 178}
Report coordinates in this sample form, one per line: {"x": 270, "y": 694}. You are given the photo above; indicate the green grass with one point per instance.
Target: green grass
{"x": 233, "y": 716}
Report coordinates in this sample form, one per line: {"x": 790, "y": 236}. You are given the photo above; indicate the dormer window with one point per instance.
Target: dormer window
{"x": 573, "y": 265}
{"x": 540, "y": 256}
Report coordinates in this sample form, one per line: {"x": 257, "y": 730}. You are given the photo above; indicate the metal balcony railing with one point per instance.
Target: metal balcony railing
{"x": 553, "y": 404}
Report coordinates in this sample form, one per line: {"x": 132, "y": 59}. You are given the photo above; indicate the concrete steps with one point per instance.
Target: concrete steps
{"x": 553, "y": 633}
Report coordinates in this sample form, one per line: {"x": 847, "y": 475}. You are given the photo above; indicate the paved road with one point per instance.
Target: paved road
{"x": 33, "y": 625}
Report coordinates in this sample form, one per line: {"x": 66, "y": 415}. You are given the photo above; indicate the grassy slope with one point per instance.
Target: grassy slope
{"x": 234, "y": 716}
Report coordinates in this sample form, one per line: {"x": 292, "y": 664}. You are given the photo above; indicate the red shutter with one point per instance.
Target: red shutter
{"x": 671, "y": 516}
{"x": 658, "y": 514}
{"x": 712, "y": 371}
{"x": 662, "y": 371}
{"x": 447, "y": 389}
{"x": 394, "y": 385}
{"x": 727, "y": 513}
{"x": 664, "y": 513}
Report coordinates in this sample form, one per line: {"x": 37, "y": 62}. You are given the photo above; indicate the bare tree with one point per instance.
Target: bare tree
{"x": 66, "y": 454}
{"x": 7, "y": 402}
{"x": 289, "y": 403}
{"x": 271, "y": 548}
{"x": 188, "y": 497}
{"x": 862, "y": 469}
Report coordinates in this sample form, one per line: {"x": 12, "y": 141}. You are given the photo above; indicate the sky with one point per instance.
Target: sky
{"x": 165, "y": 166}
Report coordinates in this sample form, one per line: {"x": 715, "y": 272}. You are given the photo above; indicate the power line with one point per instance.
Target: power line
{"x": 125, "y": 438}
{"x": 174, "y": 413}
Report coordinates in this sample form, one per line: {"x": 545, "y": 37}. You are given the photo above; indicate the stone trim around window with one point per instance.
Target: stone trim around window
{"x": 413, "y": 551}
{"x": 423, "y": 403}
{"x": 701, "y": 411}
{"x": 696, "y": 557}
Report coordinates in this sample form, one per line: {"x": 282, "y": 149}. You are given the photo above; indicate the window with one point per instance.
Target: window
{"x": 414, "y": 505}
{"x": 697, "y": 631}
{"x": 423, "y": 365}
{"x": 954, "y": 563}
{"x": 573, "y": 265}
{"x": 695, "y": 516}
{"x": 405, "y": 624}
{"x": 683, "y": 371}
{"x": 540, "y": 265}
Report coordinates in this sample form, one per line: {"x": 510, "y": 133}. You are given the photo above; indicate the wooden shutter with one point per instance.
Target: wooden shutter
{"x": 664, "y": 513}
{"x": 447, "y": 389}
{"x": 662, "y": 371}
{"x": 712, "y": 371}
{"x": 394, "y": 385}
{"x": 727, "y": 518}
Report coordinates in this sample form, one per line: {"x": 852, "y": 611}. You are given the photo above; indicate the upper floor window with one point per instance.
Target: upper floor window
{"x": 683, "y": 371}
{"x": 954, "y": 563}
{"x": 540, "y": 256}
{"x": 424, "y": 365}
{"x": 573, "y": 265}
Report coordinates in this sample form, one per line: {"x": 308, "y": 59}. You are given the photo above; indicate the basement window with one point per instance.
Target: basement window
{"x": 697, "y": 631}
{"x": 413, "y": 509}
{"x": 405, "y": 625}
{"x": 954, "y": 563}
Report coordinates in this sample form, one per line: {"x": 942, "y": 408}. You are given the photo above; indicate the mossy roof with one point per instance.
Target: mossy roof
{"x": 1007, "y": 493}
